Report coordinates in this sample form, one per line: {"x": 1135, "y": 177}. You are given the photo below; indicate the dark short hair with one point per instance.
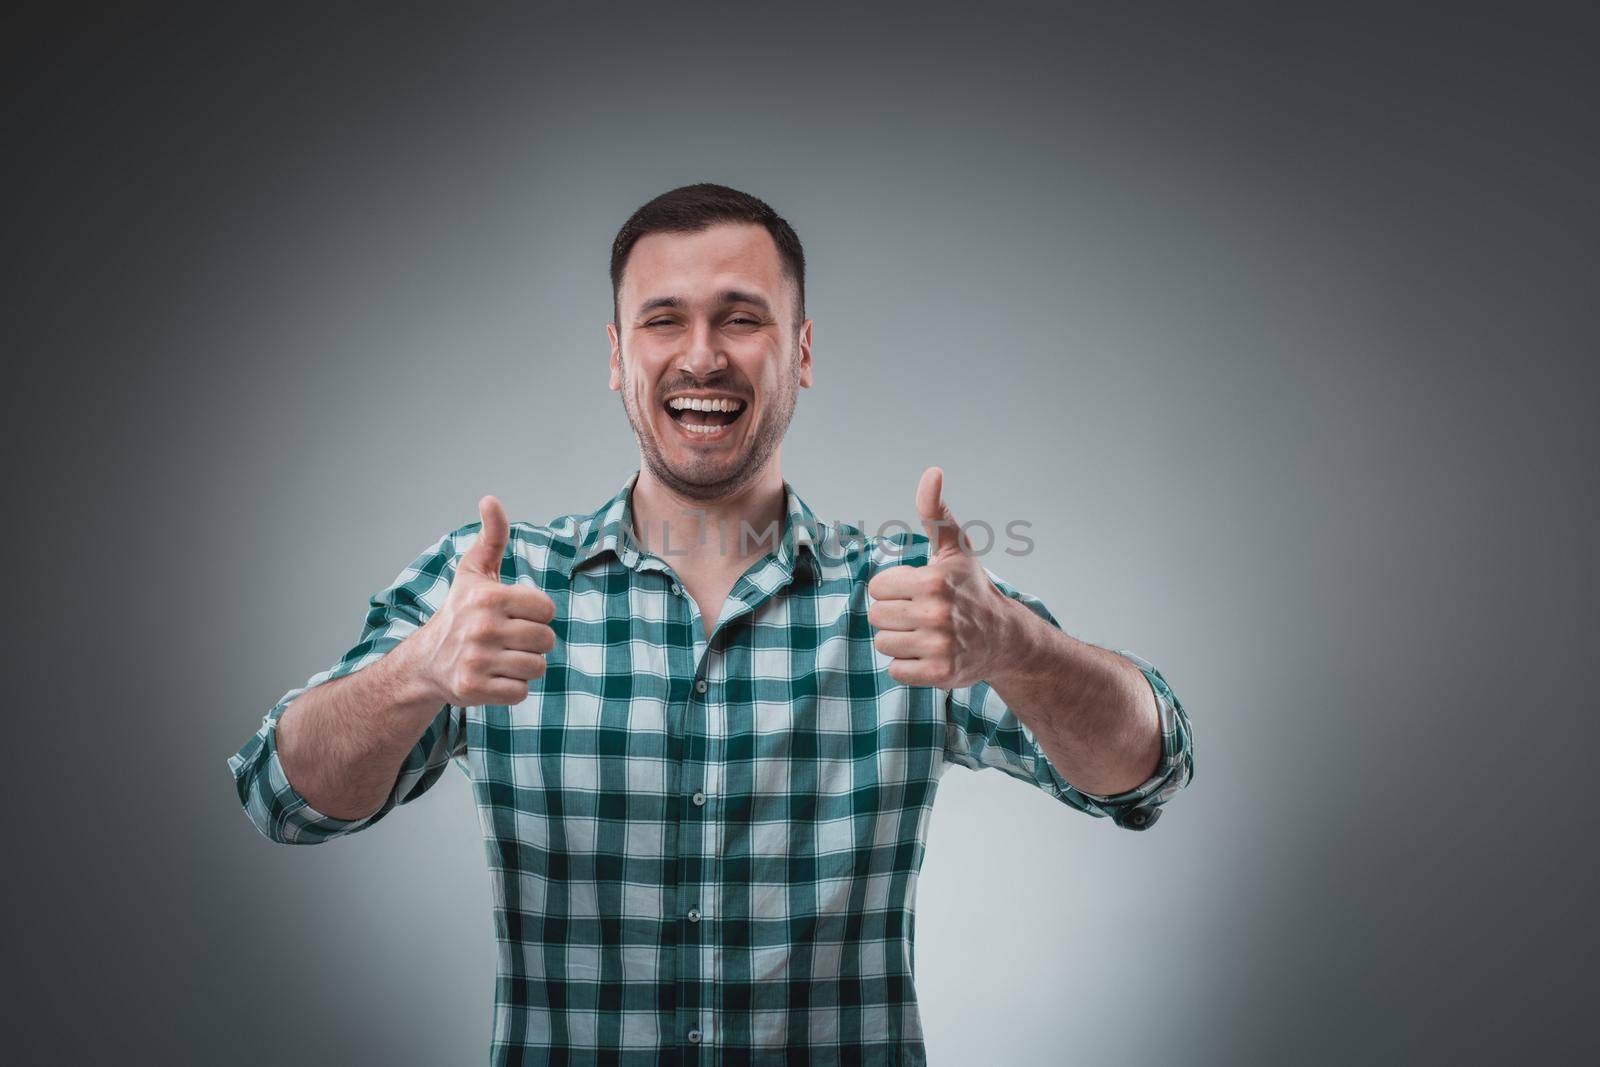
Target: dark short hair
{"x": 692, "y": 208}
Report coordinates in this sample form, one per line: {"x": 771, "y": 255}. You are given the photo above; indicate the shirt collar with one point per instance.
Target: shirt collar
{"x": 609, "y": 529}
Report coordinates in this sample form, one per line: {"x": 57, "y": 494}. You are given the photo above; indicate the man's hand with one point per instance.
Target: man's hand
{"x": 489, "y": 639}
{"x": 943, "y": 624}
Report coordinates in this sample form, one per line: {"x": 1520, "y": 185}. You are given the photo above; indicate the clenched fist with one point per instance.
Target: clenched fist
{"x": 489, "y": 639}
{"x": 943, "y": 624}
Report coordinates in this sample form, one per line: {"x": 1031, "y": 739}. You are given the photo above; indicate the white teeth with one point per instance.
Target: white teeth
{"x": 690, "y": 403}
{"x": 692, "y": 428}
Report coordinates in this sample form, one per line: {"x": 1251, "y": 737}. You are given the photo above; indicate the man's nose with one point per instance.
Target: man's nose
{"x": 704, "y": 356}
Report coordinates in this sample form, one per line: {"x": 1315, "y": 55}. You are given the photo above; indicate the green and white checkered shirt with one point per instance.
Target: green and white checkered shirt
{"x": 702, "y": 851}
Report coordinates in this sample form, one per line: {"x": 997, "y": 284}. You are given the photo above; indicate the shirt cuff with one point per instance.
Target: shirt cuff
{"x": 1140, "y": 807}
{"x": 271, "y": 801}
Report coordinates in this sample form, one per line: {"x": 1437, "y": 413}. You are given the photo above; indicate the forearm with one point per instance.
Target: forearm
{"x": 1091, "y": 710}
{"x": 342, "y": 743}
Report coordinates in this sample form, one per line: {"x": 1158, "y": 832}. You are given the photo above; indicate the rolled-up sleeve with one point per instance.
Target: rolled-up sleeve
{"x": 270, "y": 800}
{"x": 981, "y": 731}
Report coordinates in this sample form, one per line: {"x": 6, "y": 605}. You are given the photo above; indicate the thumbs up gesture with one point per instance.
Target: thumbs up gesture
{"x": 942, "y": 623}
{"x": 488, "y": 640}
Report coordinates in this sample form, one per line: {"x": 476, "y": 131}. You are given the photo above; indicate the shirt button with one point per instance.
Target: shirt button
{"x": 694, "y": 1037}
{"x": 677, "y": 590}
{"x": 699, "y": 798}
{"x": 700, "y": 686}
{"x": 694, "y": 915}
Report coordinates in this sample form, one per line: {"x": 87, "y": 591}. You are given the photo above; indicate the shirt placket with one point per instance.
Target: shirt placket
{"x": 701, "y": 702}
{"x": 698, "y": 832}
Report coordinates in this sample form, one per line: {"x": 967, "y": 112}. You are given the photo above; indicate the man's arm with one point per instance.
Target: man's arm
{"x": 1042, "y": 715}
{"x": 342, "y": 743}
{"x": 1092, "y": 710}
{"x": 1013, "y": 674}
{"x": 378, "y": 728}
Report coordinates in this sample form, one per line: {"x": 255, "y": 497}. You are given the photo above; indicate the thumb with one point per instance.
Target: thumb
{"x": 484, "y": 555}
{"x": 944, "y": 535}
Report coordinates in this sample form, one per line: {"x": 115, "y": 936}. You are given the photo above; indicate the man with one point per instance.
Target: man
{"x": 704, "y": 729}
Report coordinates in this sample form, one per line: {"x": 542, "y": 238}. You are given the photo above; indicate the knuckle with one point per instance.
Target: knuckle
{"x": 508, "y": 693}
{"x": 535, "y": 603}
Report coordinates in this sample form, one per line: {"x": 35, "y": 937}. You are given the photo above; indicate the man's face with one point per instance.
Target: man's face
{"x": 708, "y": 316}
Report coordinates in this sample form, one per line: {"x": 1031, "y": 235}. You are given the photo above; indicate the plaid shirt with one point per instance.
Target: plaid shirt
{"x": 702, "y": 851}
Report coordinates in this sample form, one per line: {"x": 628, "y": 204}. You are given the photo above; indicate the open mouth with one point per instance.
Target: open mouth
{"x": 705, "y": 418}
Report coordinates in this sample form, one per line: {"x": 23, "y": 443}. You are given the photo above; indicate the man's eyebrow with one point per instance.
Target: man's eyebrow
{"x": 661, "y": 302}
{"x": 727, "y": 296}
{"x": 736, "y": 296}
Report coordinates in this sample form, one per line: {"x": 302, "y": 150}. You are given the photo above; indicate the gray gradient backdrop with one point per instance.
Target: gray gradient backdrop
{"x": 1279, "y": 328}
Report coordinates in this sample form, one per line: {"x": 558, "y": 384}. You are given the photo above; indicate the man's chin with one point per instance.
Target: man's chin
{"x": 706, "y": 474}
{"x": 702, "y": 477}
{"x": 701, "y": 473}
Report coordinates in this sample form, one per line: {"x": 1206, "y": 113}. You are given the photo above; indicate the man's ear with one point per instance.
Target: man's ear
{"x": 805, "y": 355}
{"x": 616, "y": 357}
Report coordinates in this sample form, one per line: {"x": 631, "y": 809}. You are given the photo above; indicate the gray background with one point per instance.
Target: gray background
{"x": 1279, "y": 328}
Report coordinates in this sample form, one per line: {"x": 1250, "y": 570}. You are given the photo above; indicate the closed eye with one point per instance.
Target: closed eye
{"x": 740, "y": 319}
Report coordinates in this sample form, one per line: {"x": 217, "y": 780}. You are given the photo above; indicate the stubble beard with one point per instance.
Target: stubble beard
{"x": 699, "y": 481}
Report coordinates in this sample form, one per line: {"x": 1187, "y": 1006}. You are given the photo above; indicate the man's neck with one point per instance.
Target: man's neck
{"x": 709, "y": 535}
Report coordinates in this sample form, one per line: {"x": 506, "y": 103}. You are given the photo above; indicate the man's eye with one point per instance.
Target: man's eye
{"x": 740, "y": 319}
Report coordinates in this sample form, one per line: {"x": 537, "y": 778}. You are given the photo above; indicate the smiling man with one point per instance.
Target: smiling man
{"x": 705, "y": 729}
